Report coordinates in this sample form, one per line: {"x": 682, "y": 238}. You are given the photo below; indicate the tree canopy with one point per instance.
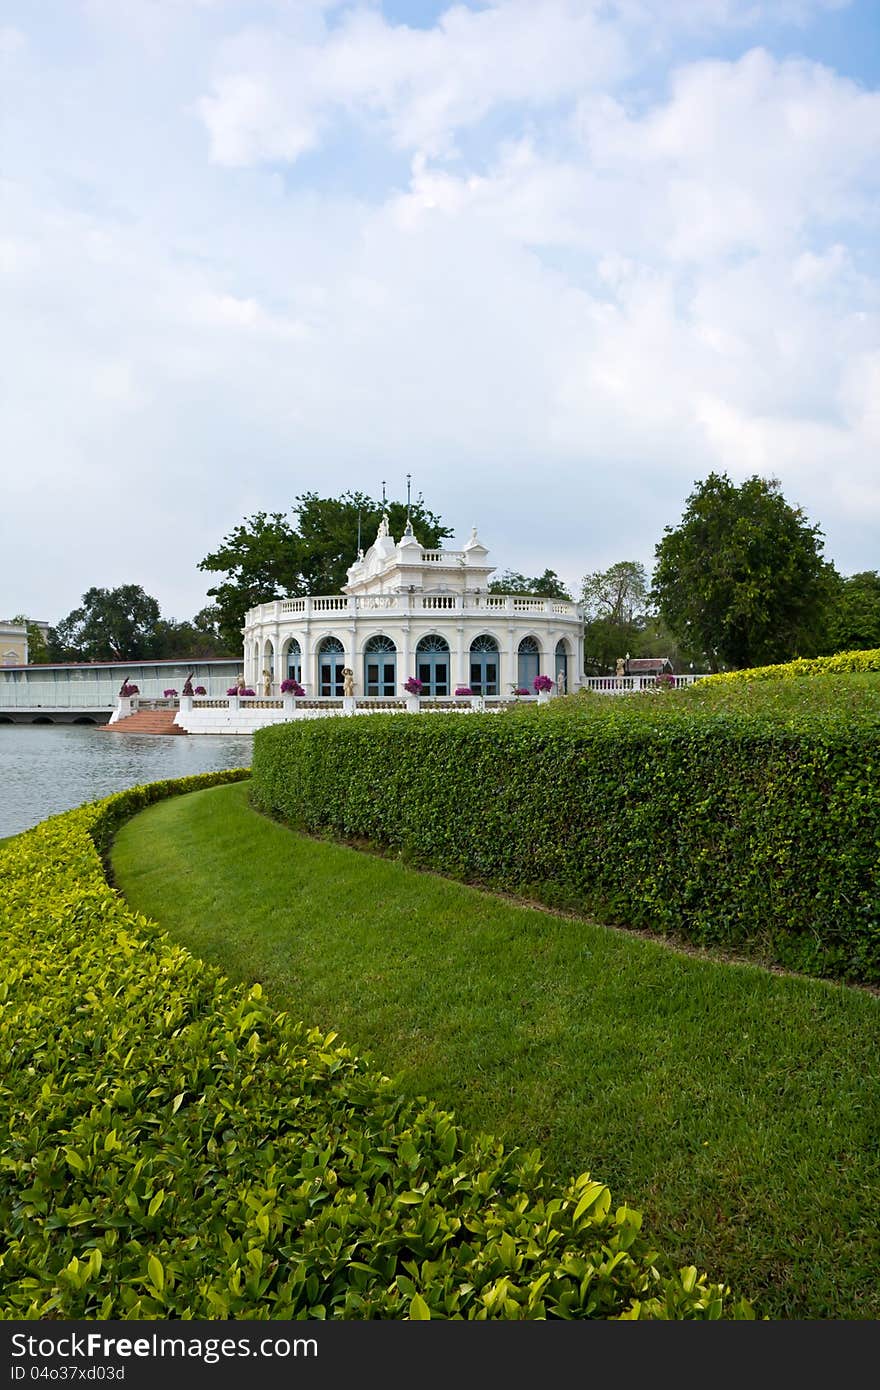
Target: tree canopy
{"x": 270, "y": 555}
{"x": 853, "y": 621}
{"x": 615, "y": 613}
{"x": 742, "y": 578}
{"x": 546, "y": 585}
{"x": 125, "y": 624}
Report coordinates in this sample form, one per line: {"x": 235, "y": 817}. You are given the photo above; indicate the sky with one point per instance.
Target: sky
{"x": 556, "y": 259}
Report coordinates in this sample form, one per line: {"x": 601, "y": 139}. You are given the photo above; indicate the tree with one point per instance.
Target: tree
{"x": 38, "y": 652}
{"x": 267, "y": 556}
{"x": 615, "y": 603}
{"x": 853, "y": 620}
{"x": 741, "y": 578}
{"x": 546, "y": 585}
{"x": 111, "y": 625}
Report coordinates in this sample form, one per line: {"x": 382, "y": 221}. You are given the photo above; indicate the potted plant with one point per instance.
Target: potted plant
{"x": 543, "y": 685}
{"x": 413, "y": 687}
{"x": 170, "y": 694}
{"x": 200, "y": 690}
{"x": 292, "y": 687}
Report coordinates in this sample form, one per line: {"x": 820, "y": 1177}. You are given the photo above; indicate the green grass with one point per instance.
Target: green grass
{"x": 738, "y": 1109}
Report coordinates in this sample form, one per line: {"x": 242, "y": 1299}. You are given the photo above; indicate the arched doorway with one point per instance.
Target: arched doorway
{"x": 528, "y": 663}
{"x": 331, "y": 660}
{"x": 562, "y": 664}
{"x": 432, "y": 664}
{"x": 484, "y": 665}
{"x": 294, "y": 661}
{"x": 380, "y": 666}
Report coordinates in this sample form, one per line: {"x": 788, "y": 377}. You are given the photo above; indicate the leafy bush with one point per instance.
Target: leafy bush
{"x": 173, "y": 1148}
{"x": 804, "y": 666}
{"x": 751, "y": 829}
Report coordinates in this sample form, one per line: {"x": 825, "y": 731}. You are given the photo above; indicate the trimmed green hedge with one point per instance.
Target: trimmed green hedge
{"x": 170, "y": 1147}
{"x": 755, "y": 830}
{"x": 836, "y": 665}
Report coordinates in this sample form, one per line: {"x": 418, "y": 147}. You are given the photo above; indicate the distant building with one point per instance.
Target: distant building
{"x": 411, "y": 612}
{"x": 13, "y": 644}
{"x": 648, "y": 666}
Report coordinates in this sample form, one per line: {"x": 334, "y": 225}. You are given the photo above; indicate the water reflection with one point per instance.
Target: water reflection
{"x": 44, "y": 770}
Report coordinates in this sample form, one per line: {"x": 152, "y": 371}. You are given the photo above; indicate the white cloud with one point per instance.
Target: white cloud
{"x": 557, "y": 330}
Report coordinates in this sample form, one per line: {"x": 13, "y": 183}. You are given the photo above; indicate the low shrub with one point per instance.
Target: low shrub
{"x": 173, "y": 1148}
{"x": 750, "y": 829}
{"x": 836, "y": 665}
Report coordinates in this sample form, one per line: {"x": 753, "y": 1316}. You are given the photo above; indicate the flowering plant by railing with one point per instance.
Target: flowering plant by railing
{"x": 542, "y": 683}
{"x": 521, "y": 690}
{"x": 665, "y": 681}
{"x": 200, "y": 690}
{"x": 244, "y": 690}
{"x": 463, "y": 690}
{"x": 291, "y": 687}
{"x": 129, "y": 689}
{"x": 413, "y": 686}
{"x": 169, "y": 694}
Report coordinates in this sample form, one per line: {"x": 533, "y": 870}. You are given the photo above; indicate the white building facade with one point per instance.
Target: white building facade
{"x": 407, "y": 612}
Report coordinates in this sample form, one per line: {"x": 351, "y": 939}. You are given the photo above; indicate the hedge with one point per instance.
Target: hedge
{"x": 836, "y": 665}
{"x": 171, "y": 1147}
{"x": 748, "y": 830}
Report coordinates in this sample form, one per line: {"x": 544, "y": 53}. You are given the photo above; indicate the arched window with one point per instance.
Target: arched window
{"x": 331, "y": 661}
{"x": 294, "y": 661}
{"x": 380, "y": 666}
{"x": 562, "y": 663}
{"x": 528, "y": 663}
{"x": 484, "y": 665}
{"x": 432, "y": 664}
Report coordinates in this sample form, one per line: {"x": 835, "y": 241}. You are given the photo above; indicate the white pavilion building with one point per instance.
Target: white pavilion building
{"x": 410, "y": 612}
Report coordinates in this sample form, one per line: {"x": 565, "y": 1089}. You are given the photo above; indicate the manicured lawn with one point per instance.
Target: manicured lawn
{"x": 738, "y": 1109}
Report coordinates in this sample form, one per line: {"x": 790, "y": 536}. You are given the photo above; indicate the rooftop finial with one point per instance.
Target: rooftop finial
{"x": 408, "y": 483}
{"x": 360, "y": 547}
{"x": 383, "y": 494}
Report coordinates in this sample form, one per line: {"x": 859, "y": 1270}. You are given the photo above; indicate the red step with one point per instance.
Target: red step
{"x": 146, "y": 721}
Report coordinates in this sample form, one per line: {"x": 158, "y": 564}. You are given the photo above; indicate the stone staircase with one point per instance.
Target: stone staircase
{"x": 146, "y": 721}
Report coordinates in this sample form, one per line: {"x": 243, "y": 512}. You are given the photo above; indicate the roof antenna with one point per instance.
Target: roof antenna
{"x": 383, "y": 494}
{"x": 360, "y": 547}
{"x": 408, "y": 477}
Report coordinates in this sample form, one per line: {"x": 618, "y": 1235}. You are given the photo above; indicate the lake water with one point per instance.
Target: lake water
{"x": 45, "y": 770}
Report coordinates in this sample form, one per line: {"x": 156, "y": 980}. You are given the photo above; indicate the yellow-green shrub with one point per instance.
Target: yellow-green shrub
{"x": 171, "y": 1147}
{"x": 836, "y": 665}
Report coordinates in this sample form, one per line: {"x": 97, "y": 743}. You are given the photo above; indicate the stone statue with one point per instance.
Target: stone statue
{"x": 383, "y": 527}
{"x": 240, "y": 682}
{"x": 267, "y": 682}
{"x": 188, "y": 684}
{"x": 348, "y": 680}
{"x": 560, "y": 682}
{"x": 621, "y": 666}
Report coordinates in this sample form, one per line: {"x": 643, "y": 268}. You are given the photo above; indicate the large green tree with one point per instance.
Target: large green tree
{"x": 120, "y": 624}
{"x": 546, "y": 585}
{"x": 741, "y": 578}
{"x": 271, "y": 555}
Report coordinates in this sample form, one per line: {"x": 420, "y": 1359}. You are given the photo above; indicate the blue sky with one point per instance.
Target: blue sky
{"x": 558, "y": 259}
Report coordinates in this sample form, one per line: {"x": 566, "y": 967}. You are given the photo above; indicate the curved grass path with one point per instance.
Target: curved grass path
{"x": 738, "y": 1109}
